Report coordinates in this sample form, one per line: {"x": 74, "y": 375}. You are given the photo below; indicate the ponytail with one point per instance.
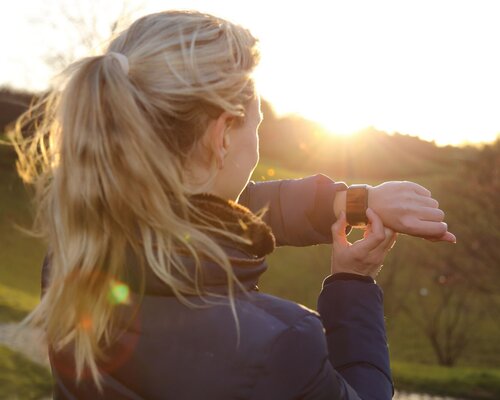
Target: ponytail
{"x": 107, "y": 153}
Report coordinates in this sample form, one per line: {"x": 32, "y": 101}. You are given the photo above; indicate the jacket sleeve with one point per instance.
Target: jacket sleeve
{"x": 353, "y": 318}
{"x": 345, "y": 358}
{"x": 299, "y": 211}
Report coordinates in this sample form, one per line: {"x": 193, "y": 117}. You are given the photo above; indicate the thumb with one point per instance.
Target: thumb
{"x": 338, "y": 230}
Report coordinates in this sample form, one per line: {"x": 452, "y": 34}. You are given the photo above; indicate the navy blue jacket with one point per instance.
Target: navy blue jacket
{"x": 284, "y": 350}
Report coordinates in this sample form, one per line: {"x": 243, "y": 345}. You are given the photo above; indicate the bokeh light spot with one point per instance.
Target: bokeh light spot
{"x": 86, "y": 323}
{"x": 271, "y": 172}
{"x": 119, "y": 293}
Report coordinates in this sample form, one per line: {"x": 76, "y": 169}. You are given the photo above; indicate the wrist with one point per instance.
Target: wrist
{"x": 348, "y": 276}
{"x": 339, "y": 203}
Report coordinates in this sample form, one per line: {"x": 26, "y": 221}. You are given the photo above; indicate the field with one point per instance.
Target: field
{"x": 294, "y": 273}
{"x": 22, "y": 379}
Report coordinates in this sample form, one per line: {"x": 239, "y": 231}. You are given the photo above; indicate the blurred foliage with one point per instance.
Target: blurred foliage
{"x": 12, "y": 105}
{"x": 301, "y": 145}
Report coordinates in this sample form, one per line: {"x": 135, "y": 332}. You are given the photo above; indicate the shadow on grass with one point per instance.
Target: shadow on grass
{"x": 20, "y": 378}
{"x": 9, "y": 314}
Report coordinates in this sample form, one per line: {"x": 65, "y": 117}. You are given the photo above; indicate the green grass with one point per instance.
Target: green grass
{"x": 407, "y": 343}
{"x": 467, "y": 383}
{"x": 294, "y": 273}
{"x": 297, "y": 273}
{"x": 22, "y": 379}
{"x": 15, "y": 304}
{"x": 21, "y": 255}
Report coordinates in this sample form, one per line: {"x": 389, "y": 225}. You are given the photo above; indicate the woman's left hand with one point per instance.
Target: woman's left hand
{"x": 365, "y": 256}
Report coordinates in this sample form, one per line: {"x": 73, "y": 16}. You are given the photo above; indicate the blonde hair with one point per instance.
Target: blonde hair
{"x": 106, "y": 151}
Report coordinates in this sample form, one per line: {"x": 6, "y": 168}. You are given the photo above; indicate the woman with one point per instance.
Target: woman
{"x": 151, "y": 283}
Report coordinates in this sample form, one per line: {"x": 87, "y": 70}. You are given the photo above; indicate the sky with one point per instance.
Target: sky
{"x": 421, "y": 67}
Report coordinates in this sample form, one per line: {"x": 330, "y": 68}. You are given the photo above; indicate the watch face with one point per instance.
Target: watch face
{"x": 356, "y": 205}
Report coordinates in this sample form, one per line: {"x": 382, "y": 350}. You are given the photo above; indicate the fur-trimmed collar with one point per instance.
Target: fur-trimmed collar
{"x": 247, "y": 258}
{"x": 237, "y": 219}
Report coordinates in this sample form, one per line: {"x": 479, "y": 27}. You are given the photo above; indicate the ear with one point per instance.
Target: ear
{"x": 226, "y": 140}
{"x": 218, "y": 138}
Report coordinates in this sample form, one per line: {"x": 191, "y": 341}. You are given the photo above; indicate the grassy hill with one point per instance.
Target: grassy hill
{"x": 21, "y": 255}
{"x": 22, "y": 379}
{"x": 296, "y": 273}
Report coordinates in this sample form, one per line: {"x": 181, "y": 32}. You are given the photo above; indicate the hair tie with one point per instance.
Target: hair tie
{"x": 122, "y": 59}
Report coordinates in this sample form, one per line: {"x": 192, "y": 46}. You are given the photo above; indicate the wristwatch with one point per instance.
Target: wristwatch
{"x": 356, "y": 205}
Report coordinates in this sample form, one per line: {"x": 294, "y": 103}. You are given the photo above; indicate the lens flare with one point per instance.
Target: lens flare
{"x": 119, "y": 293}
{"x": 86, "y": 323}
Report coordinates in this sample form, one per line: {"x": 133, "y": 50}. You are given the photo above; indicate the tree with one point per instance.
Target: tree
{"x": 446, "y": 291}
{"x": 85, "y": 26}
{"x": 447, "y": 313}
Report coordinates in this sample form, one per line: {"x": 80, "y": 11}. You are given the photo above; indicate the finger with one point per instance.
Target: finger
{"x": 428, "y": 229}
{"x": 375, "y": 223}
{"x": 377, "y": 234}
{"x": 386, "y": 243}
{"x": 420, "y": 189}
{"x": 388, "y": 236}
{"x": 390, "y": 239}
{"x": 367, "y": 231}
{"x": 447, "y": 237}
{"x": 427, "y": 202}
{"x": 431, "y": 214}
{"x": 338, "y": 230}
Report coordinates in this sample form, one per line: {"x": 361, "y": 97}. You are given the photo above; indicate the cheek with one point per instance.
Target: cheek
{"x": 255, "y": 148}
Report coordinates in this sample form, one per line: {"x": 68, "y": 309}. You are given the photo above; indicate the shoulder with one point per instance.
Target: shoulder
{"x": 271, "y": 319}
{"x": 281, "y": 311}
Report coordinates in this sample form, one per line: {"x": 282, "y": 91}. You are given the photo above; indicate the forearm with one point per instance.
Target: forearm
{"x": 300, "y": 211}
{"x": 352, "y": 315}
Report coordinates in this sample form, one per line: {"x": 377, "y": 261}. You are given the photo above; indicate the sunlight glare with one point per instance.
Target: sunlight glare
{"x": 423, "y": 68}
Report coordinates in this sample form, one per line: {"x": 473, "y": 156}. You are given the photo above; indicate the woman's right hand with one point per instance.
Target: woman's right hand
{"x": 365, "y": 256}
